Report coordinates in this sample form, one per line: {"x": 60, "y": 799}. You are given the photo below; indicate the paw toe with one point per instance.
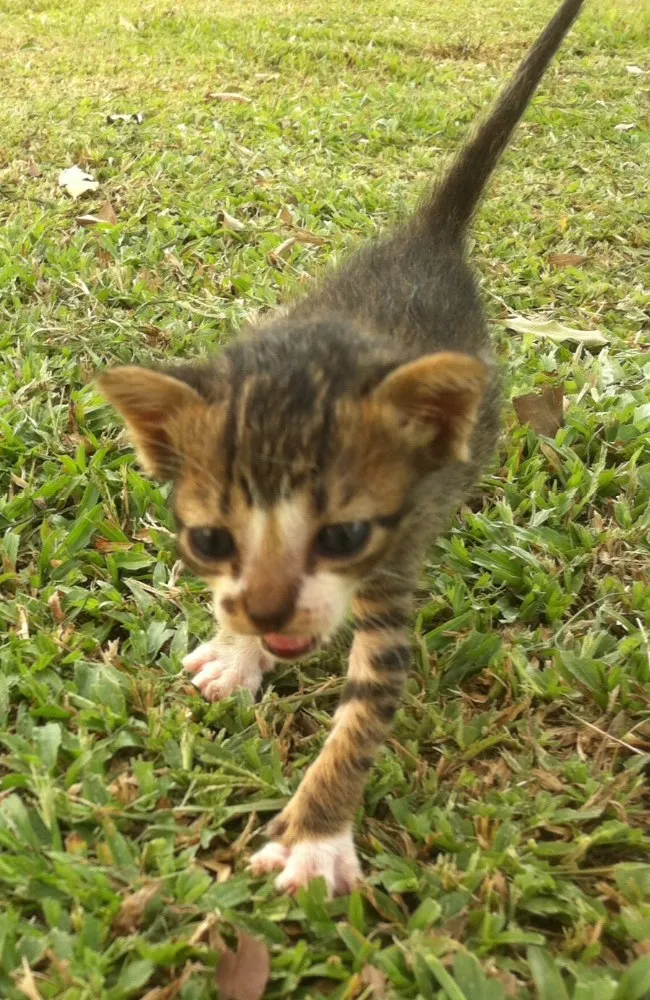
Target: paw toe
{"x": 271, "y": 858}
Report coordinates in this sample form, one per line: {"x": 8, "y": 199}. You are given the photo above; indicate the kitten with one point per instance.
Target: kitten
{"x": 314, "y": 460}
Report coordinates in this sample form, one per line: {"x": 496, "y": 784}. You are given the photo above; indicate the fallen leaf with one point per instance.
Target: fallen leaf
{"x": 227, "y": 95}
{"x": 375, "y": 979}
{"x": 23, "y": 624}
{"x": 171, "y": 991}
{"x": 634, "y": 70}
{"x": 230, "y": 222}
{"x": 543, "y": 411}
{"x": 207, "y": 924}
{"x": 126, "y": 24}
{"x": 126, "y": 787}
{"x": 219, "y": 868}
{"x": 54, "y": 604}
{"x": 305, "y": 236}
{"x": 135, "y": 119}
{"x": 300, "y": 235}
{"x": 26, "y": 984}
{"x": 555, "y": 331}
{"x": 275, "y": 256}
{"x": 625, "y": 127}
{"x": 130, "y": 915}
{"x": 105, "y": 216}
{"x": 33, "y": 169}
{"x": 243, "y": 974}
{"x": 107, "y": 213}
{"x": 566, "y": 259}
{"x": 548, "y": 780}
{"x": 76, "y": 181}
{"x": 104, "y": 545}
{"x": 552, "y": 457}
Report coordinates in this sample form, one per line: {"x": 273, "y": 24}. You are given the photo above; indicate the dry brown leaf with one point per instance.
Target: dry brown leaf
{"x": 287, "y": 216}
{"x": 105, "y": 546}
{"x": 548, "y": 780}
{"x": 130, "y": 915}
{"x": 230, "y": 222}
{"x": 243, "y": 974}
{"x": 550, "y": 329}
{"x": 105, "y": 216}
{"x": 218, "y": 868}
{"x": 107, "y": 213}
{"x": 305, "y": 236}
{"x": 566, "y": 259}
{"x": 33, "y": 169}
{"x": 375, "y": 978}
{"x": 27, "y": 984}
{"x": 125, "y": 788}
{"x": 544, "y": 410}
{"x": 87, "y": 220}
{"x": 275, "y": 256}
{"x": 171, "y": 990}
{"x": 227, "y": 95}
{"x": 54, "y": 604}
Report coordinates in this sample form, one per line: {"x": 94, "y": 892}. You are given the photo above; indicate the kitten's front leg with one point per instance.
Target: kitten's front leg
{"x": 314, "y": 833}
{"x": 227, "y": 663}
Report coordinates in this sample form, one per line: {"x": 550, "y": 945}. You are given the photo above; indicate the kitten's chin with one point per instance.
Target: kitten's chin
{"x": 290, "y": 647}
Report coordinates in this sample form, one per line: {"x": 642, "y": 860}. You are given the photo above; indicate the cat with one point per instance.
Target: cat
{"x": 316, "y": 457}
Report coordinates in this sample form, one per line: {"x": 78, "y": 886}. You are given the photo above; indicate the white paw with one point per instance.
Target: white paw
{"x": 331, "y": 858}
{"x": 226, "y": 664}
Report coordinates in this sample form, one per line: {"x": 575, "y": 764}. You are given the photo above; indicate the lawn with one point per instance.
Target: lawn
{"x": 506, "y": 837}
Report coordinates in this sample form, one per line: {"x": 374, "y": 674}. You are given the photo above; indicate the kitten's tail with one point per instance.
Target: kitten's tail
{"x": 454, "y": 200}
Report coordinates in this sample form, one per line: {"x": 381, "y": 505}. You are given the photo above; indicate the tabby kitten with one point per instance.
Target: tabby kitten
{"x": 314, "y": 460}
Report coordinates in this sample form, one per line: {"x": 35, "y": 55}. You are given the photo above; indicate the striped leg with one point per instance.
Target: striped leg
{"x": 314, "y": 832}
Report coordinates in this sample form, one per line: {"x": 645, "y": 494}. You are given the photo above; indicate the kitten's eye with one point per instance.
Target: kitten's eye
{"x": 340, "y": 540}
{"x": 211, "y": 543}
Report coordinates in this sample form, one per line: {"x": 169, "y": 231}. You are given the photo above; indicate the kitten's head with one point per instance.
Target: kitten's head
{"x": 294, "y": 459}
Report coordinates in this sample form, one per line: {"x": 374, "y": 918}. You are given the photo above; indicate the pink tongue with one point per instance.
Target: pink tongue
{"x": 286, "y": 643}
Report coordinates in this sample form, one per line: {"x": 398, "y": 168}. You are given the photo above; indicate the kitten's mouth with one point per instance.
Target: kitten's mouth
{"x": 289, "y": 647}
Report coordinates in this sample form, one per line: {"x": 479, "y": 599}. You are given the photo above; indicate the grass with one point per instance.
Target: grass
{"x": 505, "y": 836}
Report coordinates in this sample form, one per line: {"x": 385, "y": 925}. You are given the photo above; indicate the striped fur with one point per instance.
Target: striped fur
{"x": 332, "y": 788}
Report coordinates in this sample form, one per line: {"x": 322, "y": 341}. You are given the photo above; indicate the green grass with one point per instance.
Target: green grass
{"x": 505, "y": 836}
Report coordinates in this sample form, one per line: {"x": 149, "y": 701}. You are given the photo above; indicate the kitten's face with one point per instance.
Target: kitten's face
{"x": 286, "y": 531}
{"x": 290, "y": 491}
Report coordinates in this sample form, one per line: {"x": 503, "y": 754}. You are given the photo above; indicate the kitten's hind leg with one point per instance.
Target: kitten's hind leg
{"x": 227, "y": 663}
{"x": 313, "y": 835}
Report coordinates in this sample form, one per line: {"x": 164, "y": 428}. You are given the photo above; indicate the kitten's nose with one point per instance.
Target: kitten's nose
{"x": 268, "y": 609}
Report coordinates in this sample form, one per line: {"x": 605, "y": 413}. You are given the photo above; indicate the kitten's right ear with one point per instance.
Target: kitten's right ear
{"x": 149, "y": 403}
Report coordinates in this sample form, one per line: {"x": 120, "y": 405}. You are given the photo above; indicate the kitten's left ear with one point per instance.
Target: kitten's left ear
{"x": 150, "y": 403}
{"x": 436, "y": 399}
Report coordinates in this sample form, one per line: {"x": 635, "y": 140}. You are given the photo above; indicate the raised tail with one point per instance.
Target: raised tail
{"x": 454, "y": 200}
